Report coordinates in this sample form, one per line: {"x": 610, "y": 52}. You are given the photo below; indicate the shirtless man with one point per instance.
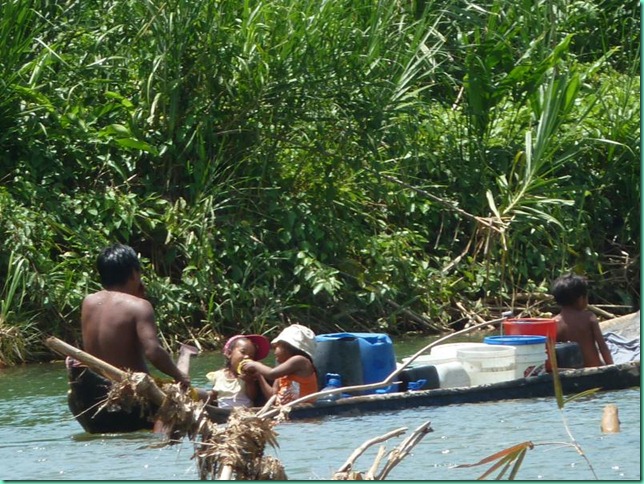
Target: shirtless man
{"x": 118, "y": 326}
{"x": 575, "y": 323}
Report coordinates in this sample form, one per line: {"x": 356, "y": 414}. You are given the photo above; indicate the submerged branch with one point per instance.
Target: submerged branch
{"x": 395, "y": 456}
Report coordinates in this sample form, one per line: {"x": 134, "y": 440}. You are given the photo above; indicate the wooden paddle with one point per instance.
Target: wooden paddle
{"x": 183, "y": 363}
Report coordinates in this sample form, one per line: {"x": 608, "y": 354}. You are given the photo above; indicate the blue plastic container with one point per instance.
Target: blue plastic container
{"x": 427, "y": 374}
{"x": 360, "y": 358}
{"x": 333, "y": 381}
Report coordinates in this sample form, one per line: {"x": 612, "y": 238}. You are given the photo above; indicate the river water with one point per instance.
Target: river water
{"x": 39, "y": 439}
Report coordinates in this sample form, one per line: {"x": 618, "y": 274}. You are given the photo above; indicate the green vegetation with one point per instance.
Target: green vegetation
{"x": 349, "y": 164}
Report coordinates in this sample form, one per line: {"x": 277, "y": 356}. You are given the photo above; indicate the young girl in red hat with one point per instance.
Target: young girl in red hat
{"x": 230, "y": 388}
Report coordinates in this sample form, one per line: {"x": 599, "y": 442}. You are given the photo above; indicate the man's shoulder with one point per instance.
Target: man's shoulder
{"x": 112, "y": 299}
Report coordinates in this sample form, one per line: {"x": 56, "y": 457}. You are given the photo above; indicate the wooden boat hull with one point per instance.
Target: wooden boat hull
{"x": 612, "y": 377}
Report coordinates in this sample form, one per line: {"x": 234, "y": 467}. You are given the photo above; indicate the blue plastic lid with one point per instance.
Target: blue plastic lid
{"x": 333, "y": 380}
{"x": 515, "y": 340}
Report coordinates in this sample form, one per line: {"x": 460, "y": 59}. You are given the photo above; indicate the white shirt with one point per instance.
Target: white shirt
{"x": 231, "y": 392}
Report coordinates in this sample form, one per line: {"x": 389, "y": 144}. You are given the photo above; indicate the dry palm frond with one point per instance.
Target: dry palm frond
{"x": 123, "y": 395}
{"x": 240, "y": 448}
{"x": 181, "y": 413}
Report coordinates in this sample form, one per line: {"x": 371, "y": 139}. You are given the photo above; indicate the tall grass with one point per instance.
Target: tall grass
{"x": 17, "y": 329}
{"x": 247, "y": 151}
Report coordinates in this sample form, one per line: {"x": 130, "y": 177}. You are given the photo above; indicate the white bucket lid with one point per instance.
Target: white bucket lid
{"x": 450, "y": 348}
{"x": 431, "y": 359}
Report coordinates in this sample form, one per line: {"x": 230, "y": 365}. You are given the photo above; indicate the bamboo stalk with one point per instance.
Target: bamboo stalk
{"x": 144, "y": 383}
{"x": 108, "y": 371}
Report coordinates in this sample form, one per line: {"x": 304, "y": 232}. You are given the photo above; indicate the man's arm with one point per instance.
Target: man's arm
{"x": 146, "y": 330}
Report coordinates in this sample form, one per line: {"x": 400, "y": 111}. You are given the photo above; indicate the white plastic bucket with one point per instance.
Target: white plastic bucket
{"x": 448, "y": 350}
{"x": 488, "y": 363}
{"x": 529, "y": 352}
{"x": 430, "y": 359}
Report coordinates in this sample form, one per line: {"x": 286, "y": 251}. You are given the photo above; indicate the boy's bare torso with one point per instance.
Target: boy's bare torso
{"x": 580, "y": 326}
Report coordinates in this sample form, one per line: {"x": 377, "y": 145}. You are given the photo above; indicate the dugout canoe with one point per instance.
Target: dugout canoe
{"x": 573, "y": 381}
{"x": 605, "y": 378}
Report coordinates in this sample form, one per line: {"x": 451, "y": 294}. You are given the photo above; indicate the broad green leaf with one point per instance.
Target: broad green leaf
{"x": 491, "y": 204}
{"x": 136, "y": 144}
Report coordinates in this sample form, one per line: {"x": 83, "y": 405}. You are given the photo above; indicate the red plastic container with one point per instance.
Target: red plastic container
{"x": 533, "y": 326}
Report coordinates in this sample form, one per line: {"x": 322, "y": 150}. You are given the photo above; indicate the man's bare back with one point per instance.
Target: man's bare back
{"x": 118, "y": 324}
{"x": 109, "y": 325}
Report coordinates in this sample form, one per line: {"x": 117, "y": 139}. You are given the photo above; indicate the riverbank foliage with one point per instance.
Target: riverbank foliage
{"x": 351, "y": 165}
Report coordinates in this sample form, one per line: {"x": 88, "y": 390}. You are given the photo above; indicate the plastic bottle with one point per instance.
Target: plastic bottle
{"x": 333, "y": 381}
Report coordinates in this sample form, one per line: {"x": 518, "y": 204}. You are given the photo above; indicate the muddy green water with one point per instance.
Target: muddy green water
{"x": 39, "y": 439}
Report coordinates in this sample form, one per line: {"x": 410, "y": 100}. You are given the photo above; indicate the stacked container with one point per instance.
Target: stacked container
{"x": 359, "y": 358}
{"x": 487, "y": 363}
{"x": 532, "y": 327}
{"x": 449, "y": 371}
{"x": 529, "y": 352}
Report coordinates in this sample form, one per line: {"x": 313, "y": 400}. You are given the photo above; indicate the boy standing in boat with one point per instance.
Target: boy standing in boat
{"x": 118, "y": 326}
{"x": 575, "y": 323}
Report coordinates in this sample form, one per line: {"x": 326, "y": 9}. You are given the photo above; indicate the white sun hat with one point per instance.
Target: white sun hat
{"x": 299, "y": 337}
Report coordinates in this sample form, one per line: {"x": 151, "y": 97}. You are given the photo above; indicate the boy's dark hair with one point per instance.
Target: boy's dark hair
{"x": 116, "y": 263}
{"x": 568, "y": 288}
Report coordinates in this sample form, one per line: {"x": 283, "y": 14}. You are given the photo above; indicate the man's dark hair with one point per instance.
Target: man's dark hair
{"x": 116, "y": 263}
{"x": 568, "y": 288}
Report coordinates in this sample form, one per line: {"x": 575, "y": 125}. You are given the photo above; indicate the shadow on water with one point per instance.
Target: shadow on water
{"x": 147, "y": 436}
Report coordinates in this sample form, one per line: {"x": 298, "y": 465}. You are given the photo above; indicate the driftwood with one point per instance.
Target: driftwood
{"x": 346, "y": 472}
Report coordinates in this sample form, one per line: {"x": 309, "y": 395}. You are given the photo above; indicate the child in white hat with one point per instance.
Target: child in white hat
{"x": 295, "y": 375}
